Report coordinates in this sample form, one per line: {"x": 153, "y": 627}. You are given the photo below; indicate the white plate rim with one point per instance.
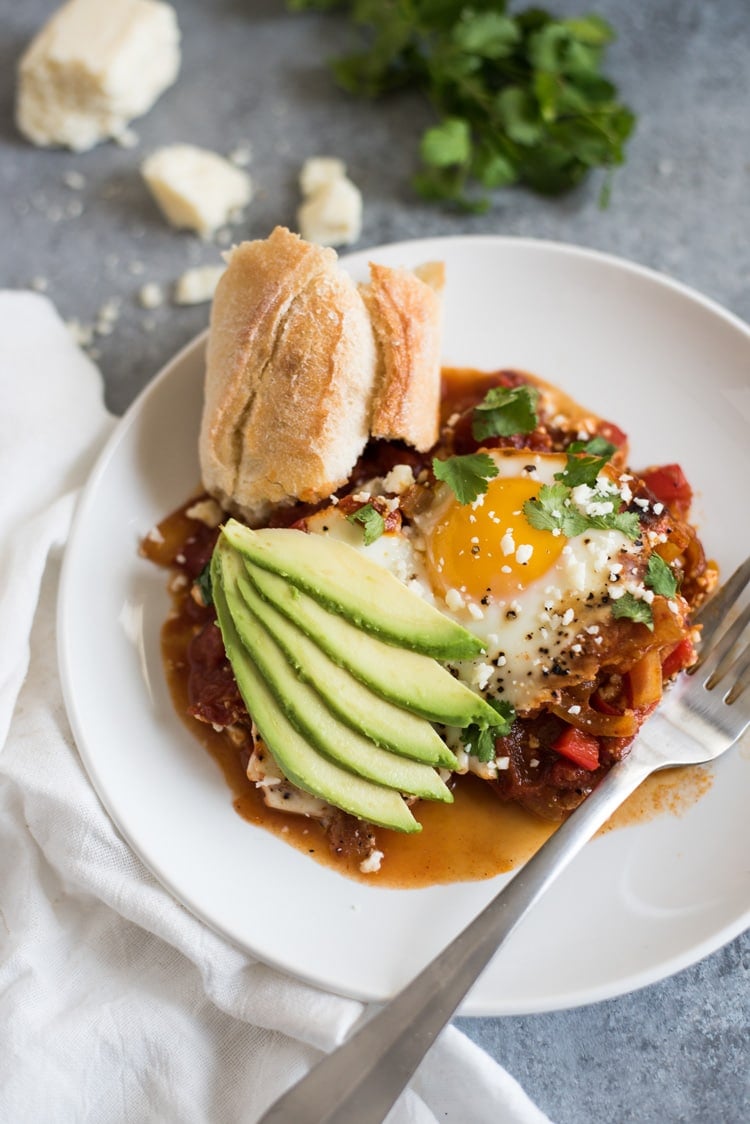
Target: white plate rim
{"x": 475, "y": 1005}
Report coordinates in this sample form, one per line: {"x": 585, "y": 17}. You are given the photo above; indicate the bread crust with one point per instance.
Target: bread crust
{"x": 289, "y": 379}
{"x": 406, "y": 316}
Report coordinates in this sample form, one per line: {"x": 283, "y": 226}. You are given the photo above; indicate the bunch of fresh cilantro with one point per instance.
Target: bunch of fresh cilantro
{"x": 521, "y": 97}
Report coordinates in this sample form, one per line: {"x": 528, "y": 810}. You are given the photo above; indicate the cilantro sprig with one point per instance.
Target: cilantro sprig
{"x": 520, "y": 98}
{"x": 584, "y": 461}
{"x": 373, "y": 523}
{"x": 203, "y": 581}
{"x": 661, "y": 579}
{"x": 634, "y": 609}
{"x": 505, "y": 411}
{"x": 466, "y": 475}
{"x": 554, "y": 510}
{"x": 479, "y": 741}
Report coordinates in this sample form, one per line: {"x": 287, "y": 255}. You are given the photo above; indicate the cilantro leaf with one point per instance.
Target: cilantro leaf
{"x": 630, "y": 607}
{"x": 552, "y": 510}
{"x": 466, "y": 475}
{"x": 203, "y": 581}
{"x": 479, "y": 741}
{"x": 504, "y": 411}
{"x": 598, "y": 445}
{"x": 625, "y": 521}
{"x": 372, "y": 522}
{"x": 518, "y": 98}
{"x": 660, "y": 577}
{"x": 585, "y": 460}
{"x": 446, "y": 144}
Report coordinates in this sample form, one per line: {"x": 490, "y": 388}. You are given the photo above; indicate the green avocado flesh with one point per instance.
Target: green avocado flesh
{"x": 408, "y": 679}
{"x": 298, "y": 760}
{"x": 307, "y": 711}
{"x": 383, "y": 722}
{"x": 343, "y": 580}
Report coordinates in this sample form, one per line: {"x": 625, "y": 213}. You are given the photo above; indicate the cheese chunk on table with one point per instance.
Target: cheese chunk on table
{"x": 195, "y": 188}
{"x": 93, "y": 68}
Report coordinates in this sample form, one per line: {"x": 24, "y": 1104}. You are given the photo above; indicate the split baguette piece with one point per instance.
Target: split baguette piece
{"x": 405, "y": 309}
{"x": 289, "y": 377}
{"x": 303, "y": 366}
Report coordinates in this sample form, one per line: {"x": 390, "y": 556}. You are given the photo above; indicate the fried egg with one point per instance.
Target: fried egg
{"x": 539, "y": 601}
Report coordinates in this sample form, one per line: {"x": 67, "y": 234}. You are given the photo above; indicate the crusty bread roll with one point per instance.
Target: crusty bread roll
{"x": 405, "y": 309}
{"x": 289, "y": 378}
{"x": 303, "y": 366}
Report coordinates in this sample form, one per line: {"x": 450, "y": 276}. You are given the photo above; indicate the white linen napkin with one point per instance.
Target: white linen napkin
{"x": 116, "y": 1003}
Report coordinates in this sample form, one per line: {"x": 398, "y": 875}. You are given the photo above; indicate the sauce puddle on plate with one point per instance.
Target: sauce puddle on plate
{"x": 474, "y": 838}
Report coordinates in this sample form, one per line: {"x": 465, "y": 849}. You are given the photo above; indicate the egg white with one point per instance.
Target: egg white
{"x": 536, "y": 637}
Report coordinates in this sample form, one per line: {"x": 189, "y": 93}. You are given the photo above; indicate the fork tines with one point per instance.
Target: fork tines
{"x": 722, "y": 656}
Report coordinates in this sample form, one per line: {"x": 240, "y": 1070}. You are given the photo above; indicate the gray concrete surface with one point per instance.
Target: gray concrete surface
{"x": 678, "y": 1050}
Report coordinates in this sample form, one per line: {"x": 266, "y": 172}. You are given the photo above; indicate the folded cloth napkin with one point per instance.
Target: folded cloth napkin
{"x": 116, "y": 1003}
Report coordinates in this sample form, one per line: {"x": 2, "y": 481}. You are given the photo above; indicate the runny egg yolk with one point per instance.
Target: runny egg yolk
{"x": 489, "y": 550}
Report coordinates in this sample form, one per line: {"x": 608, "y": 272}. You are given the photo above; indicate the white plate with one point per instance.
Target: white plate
{"x": 667, "y": 365}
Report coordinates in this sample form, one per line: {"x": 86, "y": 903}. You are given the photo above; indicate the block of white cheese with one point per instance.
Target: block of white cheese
{"x": 319, "y": 171}
{"x": 331, "y": 213}
{"x": 93, "y": 68}
{"x": 195, "y": 188}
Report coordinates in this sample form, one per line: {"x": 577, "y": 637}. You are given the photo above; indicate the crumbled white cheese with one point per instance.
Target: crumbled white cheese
{"x": 241, "y": 155}
{"x": 319, "y": 171}
{"x": 206, "y": 511}
{"x": 83, "y": 334}
{"x": 195, "y": 188}
{"x": 93, "y": 67}
{"x": 74, "y": 180}
{"x": 454, "y": 600}
{"x": 372, "y": 863}
{"x": 507, "y": 543}
{"x": 399, "y": 479}
{"x": 151, "y": 295}
{"x": 196, "y": 286}
{"x": 331, "y": 211}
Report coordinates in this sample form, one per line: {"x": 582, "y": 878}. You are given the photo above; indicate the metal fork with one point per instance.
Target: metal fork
{"x": 703, "y": 715}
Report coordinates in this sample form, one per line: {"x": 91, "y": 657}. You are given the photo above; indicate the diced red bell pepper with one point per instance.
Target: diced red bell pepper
{"x": 580, "y": 748}
{"x": 669, "y": 485}
{"x": 682, "y": 656}
{"x": 612, "y": 433}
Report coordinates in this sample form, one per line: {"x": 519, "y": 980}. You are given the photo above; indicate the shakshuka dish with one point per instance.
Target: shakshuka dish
{"x": 468, "y": 599}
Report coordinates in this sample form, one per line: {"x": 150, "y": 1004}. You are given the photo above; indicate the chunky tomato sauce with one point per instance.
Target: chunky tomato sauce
{"x": 492, "y": 826}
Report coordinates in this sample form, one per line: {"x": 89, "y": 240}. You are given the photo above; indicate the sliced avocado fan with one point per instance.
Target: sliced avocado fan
{"x": 322, "y": 645}
{"x": 298, "y": 760}
{"x": 342, "y": 580}
{"x": 386, "y": 724}
{"x": 410, "y": 680}
{"x": 309, "y": 714}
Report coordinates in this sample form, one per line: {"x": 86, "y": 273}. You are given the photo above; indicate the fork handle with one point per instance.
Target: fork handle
{"x": 362, "y": 1079}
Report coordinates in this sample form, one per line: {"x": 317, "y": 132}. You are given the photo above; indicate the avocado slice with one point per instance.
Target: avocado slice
{"x": 408, "y": 679}
{"x": 307, "y": 711}
{"x": 355, "y": 704}
{"x": 347, "y": 582}
{"x": 296, "y": 758}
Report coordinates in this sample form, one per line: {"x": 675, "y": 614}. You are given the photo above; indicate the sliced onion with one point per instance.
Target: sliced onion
{"x": 646, "y": 680}
{"x": 592, "y": 721}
